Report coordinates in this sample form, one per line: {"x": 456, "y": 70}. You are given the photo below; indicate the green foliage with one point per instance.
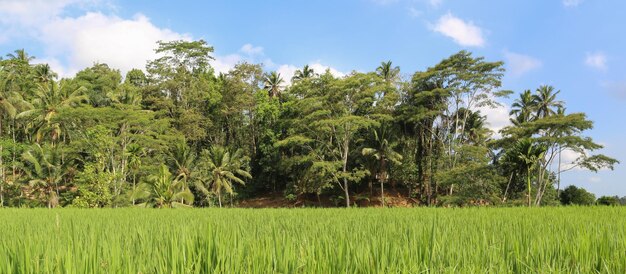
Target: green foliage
{"x": 179, "y": 132}
{"x": 608, "y": 200}
{"x": 573, "y": 195}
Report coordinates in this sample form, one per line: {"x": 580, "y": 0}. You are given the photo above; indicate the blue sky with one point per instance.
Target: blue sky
{"x": 574, "y": 45}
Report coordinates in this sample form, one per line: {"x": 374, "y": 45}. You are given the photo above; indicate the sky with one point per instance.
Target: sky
{"x": 574, "y": 45}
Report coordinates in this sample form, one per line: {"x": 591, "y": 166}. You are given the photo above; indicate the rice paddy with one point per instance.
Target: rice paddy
{"x": 418, "y": 240}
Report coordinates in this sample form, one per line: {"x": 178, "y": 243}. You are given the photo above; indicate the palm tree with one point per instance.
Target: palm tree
{"x": 219, "y": 170}
{"x": 526, "y": 155}
{"x": 273, "y": 83}
{"x": 163, "y": 190}
{"x": 134, "y": 152}
{"x": 44, "y": 169}
{"x": 388, "y": 72}
{"x": 20, "y": 55}
{"x": 523, "y": 108}
{"x": 183, "y": 162}
{"x": 44, "y": 74}
{"x": 306, "y": 73}
{"x": 545, "y": 101}
{"x": 49, "y": 99}
{"x": 383, "y": 152}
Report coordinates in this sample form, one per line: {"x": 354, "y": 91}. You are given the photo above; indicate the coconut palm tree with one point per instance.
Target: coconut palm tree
{"x": 306, "y": 73}
{"x": 44, "y": 170}
{"x": 525, "y": 155}
{"x": 523, "y": 108}
{"x": 42, "y": 73}
{"x": 20, "y": 55}
{"x": 134, "y": 153}
{"x": 163, "y": 190}
{"x": 545, "y": 101}
{"x": 383, "y": 153}
{"x": 388, "y": 72}
{"x": 219, "y": 169}
{"x": 273, "y": 83}
{"x": 49, "y": 99}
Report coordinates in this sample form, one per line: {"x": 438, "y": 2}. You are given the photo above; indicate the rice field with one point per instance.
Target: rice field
{"x": 418, "y": 240}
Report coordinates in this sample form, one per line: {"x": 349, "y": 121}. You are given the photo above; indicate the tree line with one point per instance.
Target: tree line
{"x": 178, "y": 135}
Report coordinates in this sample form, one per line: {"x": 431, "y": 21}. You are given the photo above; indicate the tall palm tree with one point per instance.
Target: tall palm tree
{"x": 219, "y": 169}
{"x": 44, "y": 169}
{"x": 545, "y": 101}
{"x": 134, "y": 152}
{"x": 273, "y": 83}
{"x": 20, "y": 55}
{"x": 523, "y": 108}
{"x": 163, "y": 190}
{"x": 44, "y": 74}
{"x": 49, "y": 99}
{"x": 306, "y": 73}
{"x": 383, "y": 153}
{"x": 526, "y": 154}
{"x": 183, "y": 162}
{"x": 388, "y": 72}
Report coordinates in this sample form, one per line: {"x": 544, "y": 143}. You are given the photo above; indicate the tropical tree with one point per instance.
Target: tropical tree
{"x": 523, "y": 108}
{"x": 44, "y": 74}
{"x": 49, "y": 99}
{"x": 163, "y": 190}
{"x": 528, "y": 155}
{"x": 388, "y": 72}
{"x": 218, "y": 169}
{"x": 545, "y": 101}
{"x": 134, "y": 152}
{"x": 20, "y": 55}
{"x": 384, "y": 154}
{"x": 305, "y": 73}
{"x": 273, "y": 83}
{"x": 45, "y": 170}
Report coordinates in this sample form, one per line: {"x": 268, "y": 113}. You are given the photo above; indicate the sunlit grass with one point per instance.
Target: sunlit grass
{"x": 474, "y": 240}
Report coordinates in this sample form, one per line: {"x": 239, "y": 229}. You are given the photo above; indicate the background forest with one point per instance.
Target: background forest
{"x": 177, "y": 135}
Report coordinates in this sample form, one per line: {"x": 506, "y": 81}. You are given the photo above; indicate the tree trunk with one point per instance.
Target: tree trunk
{"x": 219, "y": 198}
{"x": 507, "y": 187}
{"x": 528, "y": 183}
{"x": 382, "y": 193}
{"x": 558, "y": 180}
{"x": 345, "y": 169}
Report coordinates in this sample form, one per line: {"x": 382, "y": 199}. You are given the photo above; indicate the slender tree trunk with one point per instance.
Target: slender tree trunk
{"x": 528, "y": 183}
{"x": 345, "y": 169}
{"x": 558, "y": 180}
{"x": 507, "y": 187}
{"x": 382, "y": 193}
{"x": 219, "y": 198}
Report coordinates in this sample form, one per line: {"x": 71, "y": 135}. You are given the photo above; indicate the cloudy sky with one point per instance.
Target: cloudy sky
{"x": 574, "y": 45}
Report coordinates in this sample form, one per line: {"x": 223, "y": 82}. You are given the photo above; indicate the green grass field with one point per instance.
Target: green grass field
{"x": 474, "y": 240}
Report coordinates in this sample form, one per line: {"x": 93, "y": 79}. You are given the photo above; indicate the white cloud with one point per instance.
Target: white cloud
{"x": 519, "y": 64}
{"x": 321, "y": 69}
{"x": 94, "y": 37}
{"x": 72, "y": 43}
{"x": 497, "y": 118}
{"x": 596, "y": 60}
{"x": 572, "y": 3}
{"x": 223, "y": 64}
{"x": 251, "y": 50}
{"x": 463, "y": 33}
{"x": 287, "y": 72}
